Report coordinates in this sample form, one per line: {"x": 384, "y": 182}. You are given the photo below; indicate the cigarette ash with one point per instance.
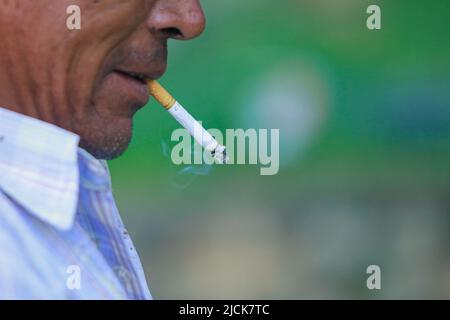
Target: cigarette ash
{"x": 220, "y": 155}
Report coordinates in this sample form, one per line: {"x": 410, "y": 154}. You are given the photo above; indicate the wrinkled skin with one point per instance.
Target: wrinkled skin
{"x": 79, "y": 79}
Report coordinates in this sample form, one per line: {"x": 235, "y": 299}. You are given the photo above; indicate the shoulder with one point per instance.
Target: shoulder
{"x": 13, "y": 222}
{"x": 21, "y": 234}
{"x": 22, "y": 262}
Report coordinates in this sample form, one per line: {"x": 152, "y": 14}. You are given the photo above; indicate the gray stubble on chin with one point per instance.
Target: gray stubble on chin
{"x": 106, "y": 143}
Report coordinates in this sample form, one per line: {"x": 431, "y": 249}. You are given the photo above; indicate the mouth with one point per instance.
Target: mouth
{"x": 123, "y": 80}
{"x": 134, "y": 75}
{"x": 132, "y": 86}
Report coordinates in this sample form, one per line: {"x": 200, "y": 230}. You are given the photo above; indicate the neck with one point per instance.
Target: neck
{"x": 22, "y": 93}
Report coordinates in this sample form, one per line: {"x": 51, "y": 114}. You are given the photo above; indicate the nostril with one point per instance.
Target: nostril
{"x": 172, "y": 32}
{"x": 180, "y": 19}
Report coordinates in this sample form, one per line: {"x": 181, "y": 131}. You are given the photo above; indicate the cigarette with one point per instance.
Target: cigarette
{"x": 195, "y": 129}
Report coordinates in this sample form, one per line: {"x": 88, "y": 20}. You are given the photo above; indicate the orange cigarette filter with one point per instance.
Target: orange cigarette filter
{"x": 161, "y": 95}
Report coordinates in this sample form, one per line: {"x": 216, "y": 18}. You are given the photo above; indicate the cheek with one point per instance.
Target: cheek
{"x": 92, "y": 51}
{"x": 113, "y": 16}
{"x": 105, "y": 24}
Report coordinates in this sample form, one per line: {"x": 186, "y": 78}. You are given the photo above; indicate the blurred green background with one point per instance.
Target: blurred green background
{"x": 364, "y": 119}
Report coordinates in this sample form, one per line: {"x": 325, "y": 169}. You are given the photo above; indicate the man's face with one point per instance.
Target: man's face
{"x": 89, "y": 81}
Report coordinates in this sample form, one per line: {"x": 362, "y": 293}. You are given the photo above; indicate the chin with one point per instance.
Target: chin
{"x": 107, "y": 140}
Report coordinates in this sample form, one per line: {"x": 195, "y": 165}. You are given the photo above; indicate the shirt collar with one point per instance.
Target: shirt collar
{"x": 39, "y": 167}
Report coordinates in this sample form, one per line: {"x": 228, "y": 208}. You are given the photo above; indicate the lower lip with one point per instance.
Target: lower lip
{"x": 134, "y": 90}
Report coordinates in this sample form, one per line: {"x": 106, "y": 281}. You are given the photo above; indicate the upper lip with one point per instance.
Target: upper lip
{"x": 143, "y": 75}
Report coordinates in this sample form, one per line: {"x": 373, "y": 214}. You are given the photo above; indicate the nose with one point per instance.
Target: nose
{"x": 177, "y": 19}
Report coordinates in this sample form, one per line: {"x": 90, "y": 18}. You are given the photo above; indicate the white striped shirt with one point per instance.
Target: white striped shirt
{"x": 61, "y": 235}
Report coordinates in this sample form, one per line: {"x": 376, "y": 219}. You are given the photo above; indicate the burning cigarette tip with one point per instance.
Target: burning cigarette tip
{"x": 220, "y": 154}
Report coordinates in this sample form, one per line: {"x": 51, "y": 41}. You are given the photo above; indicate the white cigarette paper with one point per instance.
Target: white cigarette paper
{"x": 195, "y": 129}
